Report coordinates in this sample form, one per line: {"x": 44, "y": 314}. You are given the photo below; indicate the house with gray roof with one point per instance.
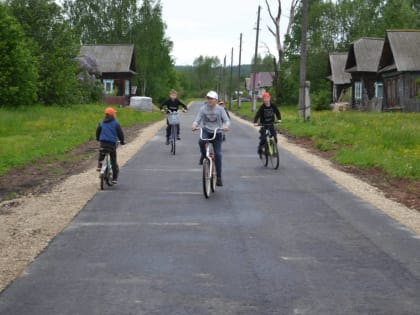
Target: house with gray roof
{"x": 117, "y": 67}
{"x": 399, "y": 66}
{"x": 263, "y": 81}
{"x": 339, "y": 78}
{"x": 362, "y": 63}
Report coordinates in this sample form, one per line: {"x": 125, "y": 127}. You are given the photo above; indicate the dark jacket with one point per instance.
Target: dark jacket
{"x": 109, "y": 131}
{"x": 172, "y": 105}
{"x": 267, "y": 114}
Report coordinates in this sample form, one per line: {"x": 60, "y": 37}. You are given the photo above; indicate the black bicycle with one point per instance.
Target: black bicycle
{"x": 173, "y": 121}
{"x": 270, "y": 151}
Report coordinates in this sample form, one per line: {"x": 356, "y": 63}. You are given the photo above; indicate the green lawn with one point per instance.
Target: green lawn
{"x": 390, "y": 141}
{"x": 29, "y": 133}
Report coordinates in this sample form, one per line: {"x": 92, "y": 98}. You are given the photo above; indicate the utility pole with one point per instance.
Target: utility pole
{"x": 303, "y": 55}
{"x": 254, "y": 98}
{"x": 231, "y": 77}
{"x": 224, "y": 79}
{"x": 239, "y": 73}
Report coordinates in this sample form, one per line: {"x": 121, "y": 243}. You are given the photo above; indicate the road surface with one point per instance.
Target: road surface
{"x": 269, "y": 242}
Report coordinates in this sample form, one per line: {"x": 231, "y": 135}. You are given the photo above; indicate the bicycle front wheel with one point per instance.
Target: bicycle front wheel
{"x": 213, "y": 177}
{"x": 274, "y": 156}
{"x": 265, "y": 154}
{"x": 173, "y": 139}
{"x": 206, "y": 178}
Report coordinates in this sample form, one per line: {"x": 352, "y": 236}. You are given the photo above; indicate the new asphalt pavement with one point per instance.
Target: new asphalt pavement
{"x": 286, "y": 241}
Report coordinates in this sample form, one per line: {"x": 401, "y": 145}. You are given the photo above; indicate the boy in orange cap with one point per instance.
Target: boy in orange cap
{"x": 267, "y": 114}
{"x": 108, "y": 132}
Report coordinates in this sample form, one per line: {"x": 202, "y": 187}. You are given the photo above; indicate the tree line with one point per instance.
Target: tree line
{"x": 40, "y": 41}
{"x": 332, "y": 26}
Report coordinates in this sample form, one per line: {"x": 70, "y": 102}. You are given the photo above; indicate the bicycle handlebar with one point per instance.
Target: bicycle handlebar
{"x": 209, "y": 139}
{"x": 274, "y": 123}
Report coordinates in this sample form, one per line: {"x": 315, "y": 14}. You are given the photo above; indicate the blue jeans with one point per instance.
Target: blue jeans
{"x": 217, "y": 147}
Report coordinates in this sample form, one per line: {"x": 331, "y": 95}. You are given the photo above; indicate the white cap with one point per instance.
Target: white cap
{"x": 212, "y": 94}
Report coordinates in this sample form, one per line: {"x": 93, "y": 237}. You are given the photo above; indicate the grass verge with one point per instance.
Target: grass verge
{"x": 30, "y": 133}
{"x": 389, "y": 141}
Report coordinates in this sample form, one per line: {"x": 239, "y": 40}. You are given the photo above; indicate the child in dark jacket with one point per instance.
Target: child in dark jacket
{"x": 267, "y": 114}
{"x": 108, "y": 133}
{"x": 172, "y": 104}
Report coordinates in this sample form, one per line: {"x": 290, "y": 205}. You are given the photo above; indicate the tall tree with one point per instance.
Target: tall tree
{"x": 18, "y": 68}
{"x": 55, "y": 47}
{"x": 275, "y": 30}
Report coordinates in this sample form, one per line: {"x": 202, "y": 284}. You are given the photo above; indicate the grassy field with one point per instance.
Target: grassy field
{"x": 29, "y": 133}
{"x": 390, "y": 141}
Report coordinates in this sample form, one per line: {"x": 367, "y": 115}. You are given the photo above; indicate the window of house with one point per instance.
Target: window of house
{"x": 379, "y": 89}
{"x": 108, "y": 86}
{"x": 358, "y": 90}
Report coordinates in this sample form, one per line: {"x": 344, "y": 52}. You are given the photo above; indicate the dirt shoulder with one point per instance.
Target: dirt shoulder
{"x": 40, "y": 200}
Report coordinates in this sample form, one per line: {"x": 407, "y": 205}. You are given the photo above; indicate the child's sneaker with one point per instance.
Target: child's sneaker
{"x": 114, "y": 182}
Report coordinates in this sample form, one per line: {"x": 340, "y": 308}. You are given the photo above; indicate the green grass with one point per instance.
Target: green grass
{"x": 390, "y": 141}
{"x": 30, "y": 133}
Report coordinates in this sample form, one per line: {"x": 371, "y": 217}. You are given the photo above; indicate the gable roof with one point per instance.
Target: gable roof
{"x": 111, "y": 58}
{"x": 336, "y": 68}
{"x": 262, "y": 79}
{"x": 364, "y": 55}
{"x": 401, "y": 51}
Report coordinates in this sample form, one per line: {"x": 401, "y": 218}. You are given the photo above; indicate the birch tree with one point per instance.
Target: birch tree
{"x": 275, "y": 30}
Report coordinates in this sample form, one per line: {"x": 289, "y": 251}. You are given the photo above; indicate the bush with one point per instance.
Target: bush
{"x": 320, "y": 100}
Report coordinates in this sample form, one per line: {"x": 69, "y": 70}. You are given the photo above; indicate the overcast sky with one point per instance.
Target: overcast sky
{"x": 213, "y": 27}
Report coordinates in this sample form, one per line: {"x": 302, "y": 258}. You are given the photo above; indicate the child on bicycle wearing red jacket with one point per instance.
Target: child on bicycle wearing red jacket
{"x": 108, "y": 133}
{"x": 267, "y": 114}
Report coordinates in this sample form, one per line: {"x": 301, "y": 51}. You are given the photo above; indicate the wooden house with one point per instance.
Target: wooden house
{"x": 339, "y": 78}
{"x": 117, "y": 66}
{"x": 400, "y": 68}
{"x": 362, "y": 63}
{"x": 263, "y": 81}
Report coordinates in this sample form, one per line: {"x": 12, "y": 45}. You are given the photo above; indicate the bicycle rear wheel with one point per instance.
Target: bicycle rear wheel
{"x": 206, "y": 178}
{"x": 274, "y": 156}
{"x": 101, "y": 181}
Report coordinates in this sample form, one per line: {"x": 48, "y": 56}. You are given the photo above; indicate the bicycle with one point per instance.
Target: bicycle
{"x": 209, "y": 166}
{"x": 270, "y": 150}
{"x": 106, "y": 174}
{"x": 173, "y": 121}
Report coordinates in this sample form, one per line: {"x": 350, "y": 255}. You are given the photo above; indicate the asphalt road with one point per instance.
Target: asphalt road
{"x": 269, "y": 242}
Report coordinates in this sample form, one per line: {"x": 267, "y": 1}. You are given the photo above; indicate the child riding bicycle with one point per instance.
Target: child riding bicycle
{"x": 172, "y": 104}
{"x": 210, "y": 117}
{"x": 108, "y": 132}
{"x": 267, "y": 114}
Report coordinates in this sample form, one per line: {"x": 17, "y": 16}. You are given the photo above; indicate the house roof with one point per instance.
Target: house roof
{"x": 262, "y": 79}
{"x": 111, "y": 58}
{"x": 401, "y": 51}
{"x": 336, "y": 68}
{"x": 364, "y": 55}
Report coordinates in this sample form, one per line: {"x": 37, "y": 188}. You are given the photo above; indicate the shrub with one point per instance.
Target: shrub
{"x": 320, "y": 100}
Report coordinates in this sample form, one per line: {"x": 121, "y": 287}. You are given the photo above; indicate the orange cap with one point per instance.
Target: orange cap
{"x": 110, "y": 111}
{"x": 265, "y": 95}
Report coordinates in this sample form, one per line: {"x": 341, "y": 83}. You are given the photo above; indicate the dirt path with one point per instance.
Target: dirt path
{"x": 28, "y": 223}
